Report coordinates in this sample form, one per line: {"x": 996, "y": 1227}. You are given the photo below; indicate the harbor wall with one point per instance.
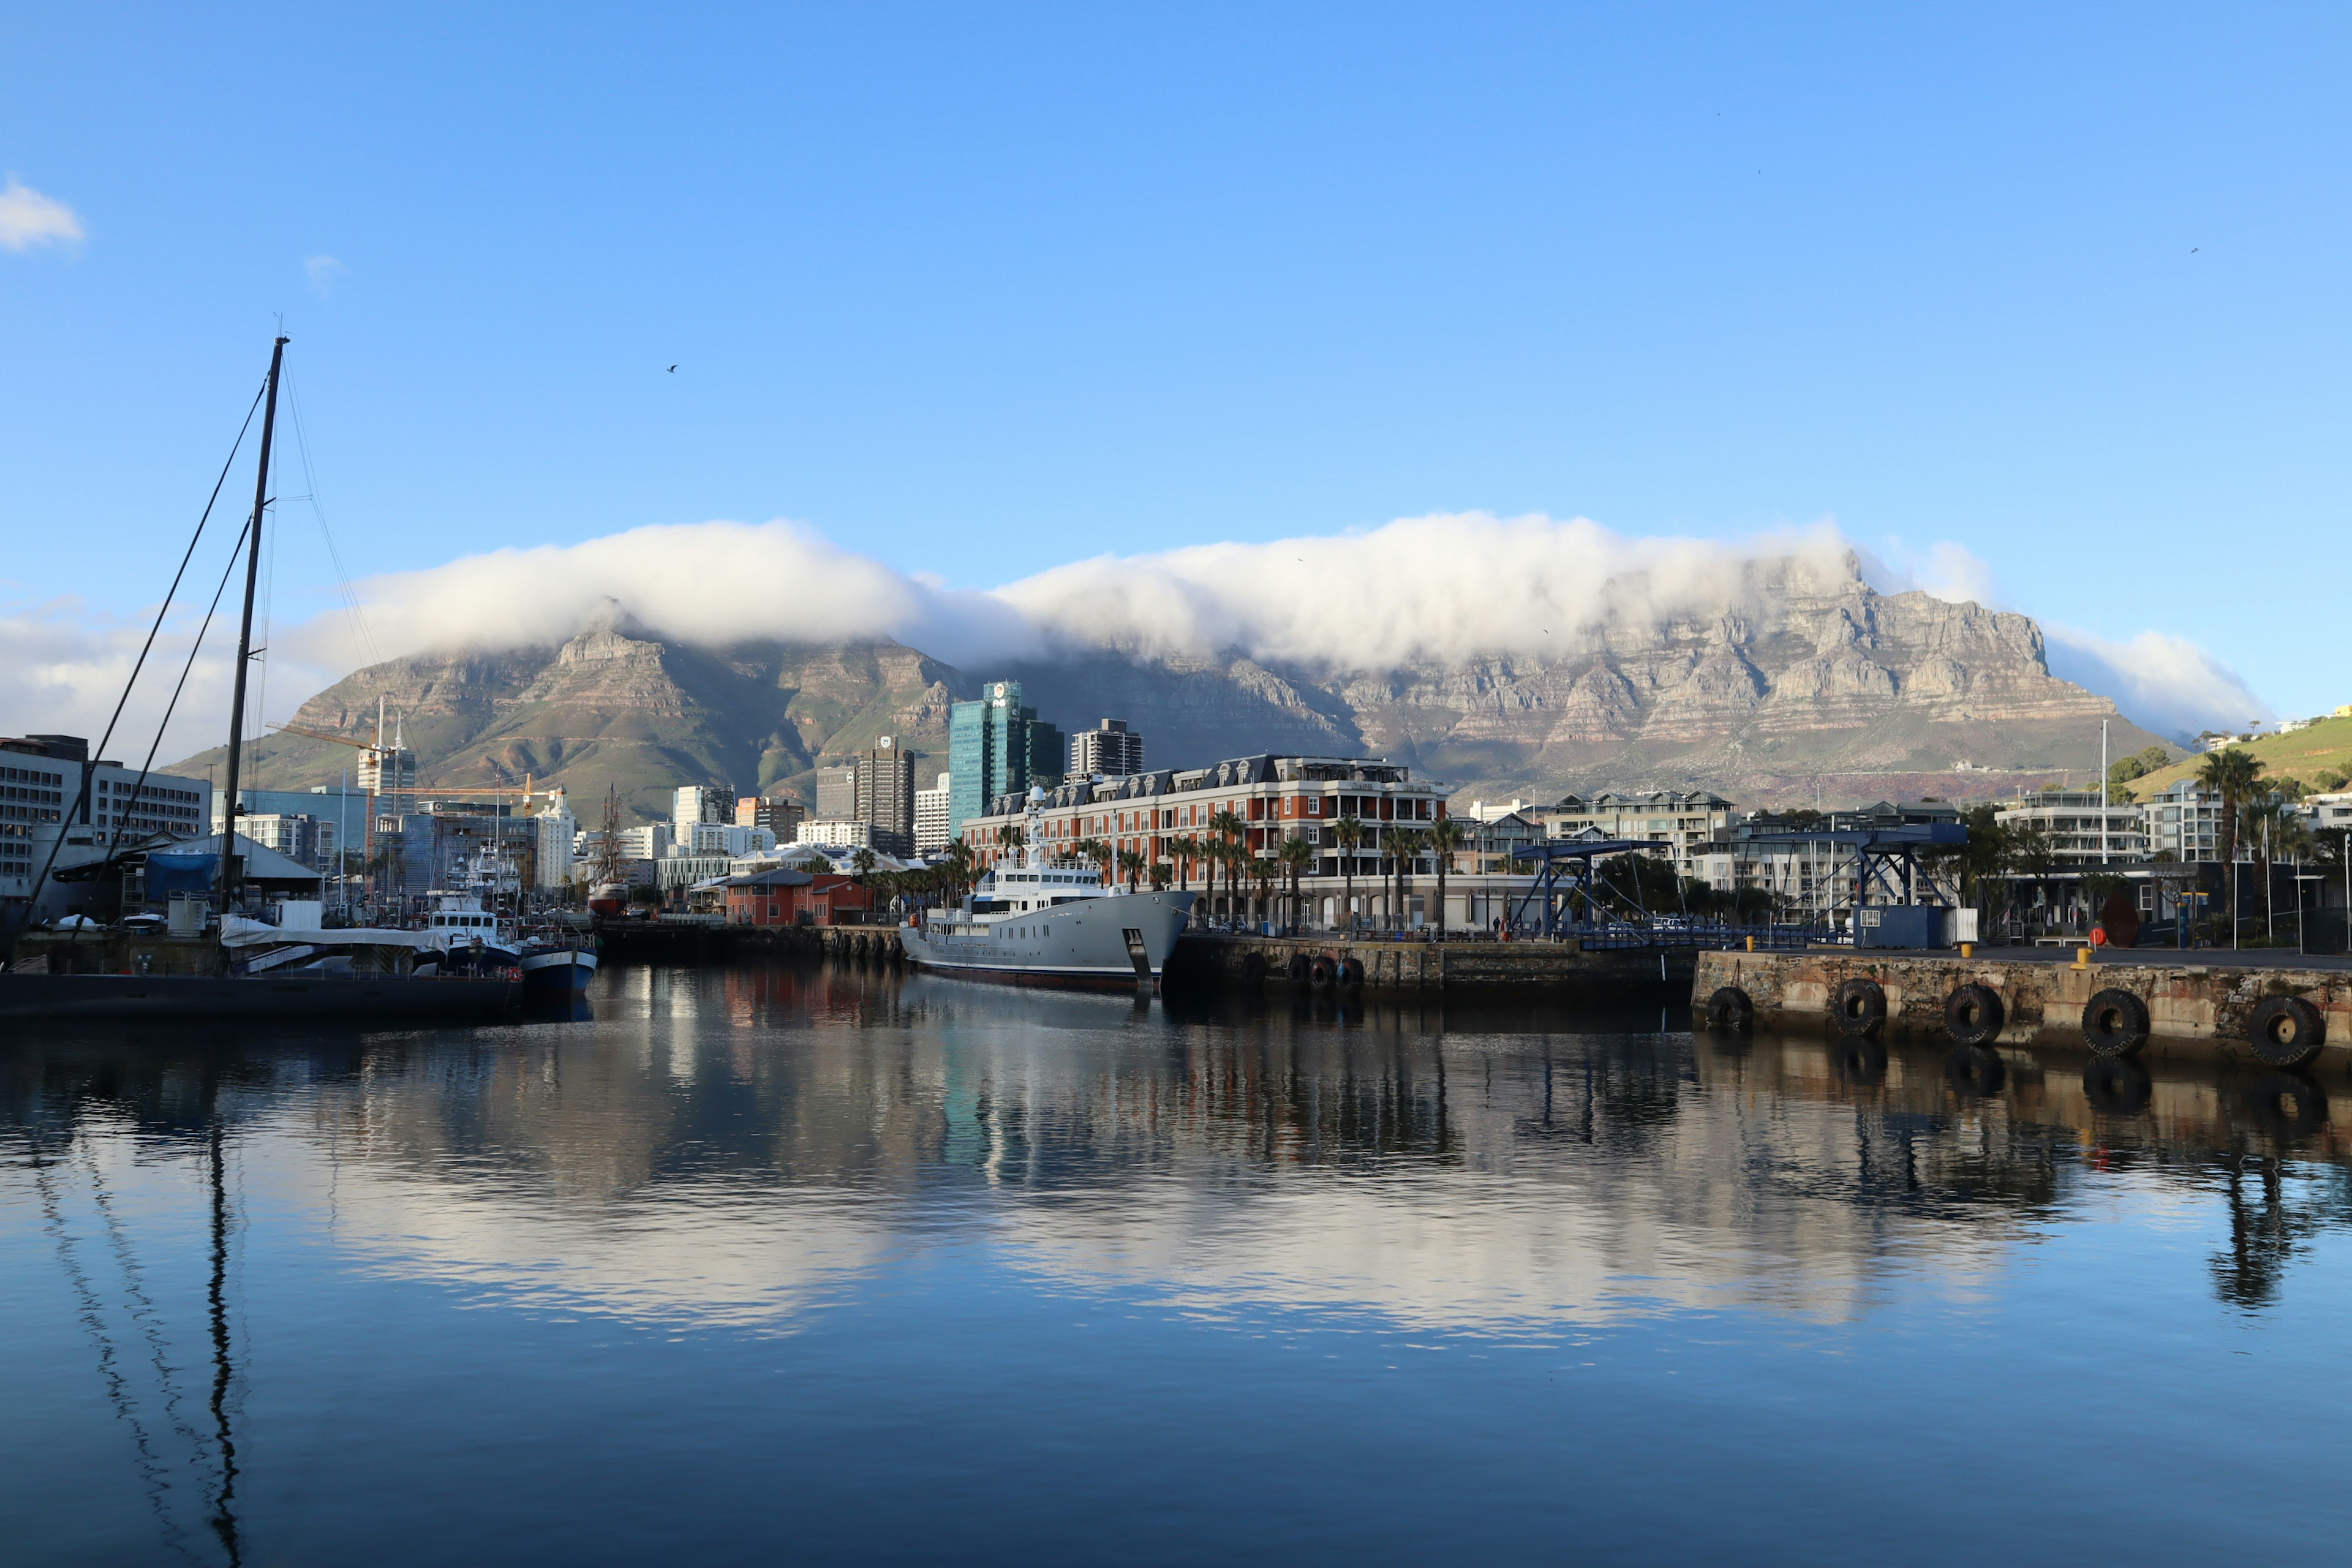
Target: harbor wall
{"x": 1568, "y": 966}
{"x": 2194, "y": 1009}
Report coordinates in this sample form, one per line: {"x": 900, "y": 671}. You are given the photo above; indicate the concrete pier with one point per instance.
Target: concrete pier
{"x": 2198, "y": 1004}
{"x": 1318, "y": 963}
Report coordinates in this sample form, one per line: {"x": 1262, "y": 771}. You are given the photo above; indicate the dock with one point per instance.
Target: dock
{"x": 1334, "y": 961}
{"x": 2275, "y": 1009}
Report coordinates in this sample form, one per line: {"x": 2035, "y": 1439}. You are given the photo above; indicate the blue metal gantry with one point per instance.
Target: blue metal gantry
{"x": 1582, "y": 881}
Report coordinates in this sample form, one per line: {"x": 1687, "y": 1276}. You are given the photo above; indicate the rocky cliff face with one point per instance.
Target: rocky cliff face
{"x": 1785, "y": 677}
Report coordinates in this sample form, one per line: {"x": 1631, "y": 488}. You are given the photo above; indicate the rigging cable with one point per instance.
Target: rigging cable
{"x": 81, "y": 799}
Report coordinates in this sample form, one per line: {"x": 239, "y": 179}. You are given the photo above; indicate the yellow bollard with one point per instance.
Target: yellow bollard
{"x": 1751, "y": 944}
{"x": 2082, "y": 958}
{"x": 1967, "y": 950}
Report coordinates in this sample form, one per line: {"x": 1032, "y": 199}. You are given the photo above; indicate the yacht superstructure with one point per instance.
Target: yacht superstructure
{"x": 1051, "y": 922}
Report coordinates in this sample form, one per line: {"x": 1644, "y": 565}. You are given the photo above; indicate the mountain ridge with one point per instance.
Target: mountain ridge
{"x": 1781, "y": 684}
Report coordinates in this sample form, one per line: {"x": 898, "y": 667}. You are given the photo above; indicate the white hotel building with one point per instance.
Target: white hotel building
{"x": 1276, "y": 797}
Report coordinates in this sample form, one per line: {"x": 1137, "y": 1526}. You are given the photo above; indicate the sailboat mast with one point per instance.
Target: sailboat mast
{"x": 232, "y": 864}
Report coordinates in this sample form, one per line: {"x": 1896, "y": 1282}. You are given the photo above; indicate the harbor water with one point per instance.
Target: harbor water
{"x": 797, "y": 1263}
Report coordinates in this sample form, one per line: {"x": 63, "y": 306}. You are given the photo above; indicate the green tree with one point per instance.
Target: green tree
{"x": 1130, "y": 866}
{"x": 1296, "y": 856}
{"x": 1406, "y": 844}
{"x": 1186, "y": 849}
{"x": 1348, "y": 832}
{"x": 1229, "y": 828}
{"x": 2331, "y": 781}
{"x": 2233, "y": 774}
{"x": 1446, "y": 837}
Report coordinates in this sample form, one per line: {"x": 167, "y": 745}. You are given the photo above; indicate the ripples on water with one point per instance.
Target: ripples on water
{"x": 788, "y": 1262}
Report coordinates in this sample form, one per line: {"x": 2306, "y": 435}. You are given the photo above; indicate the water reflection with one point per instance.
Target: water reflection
{"x": 740, "y": 1148}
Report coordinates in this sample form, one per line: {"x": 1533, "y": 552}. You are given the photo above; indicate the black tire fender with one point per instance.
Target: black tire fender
{"x": 1351, "y": 973}
{"x": 1973, "y": 1014}
{"x": 1977, "y": 1071}
{"x": 2288, "y": 1105}
{"x": 1859, "y": 1006}
{"x": 1320, "y": 973}
{"x": 2114, "y": 1023}
{"x": 1298, "y": 968}
{"x": 2116, "y": 1086}
{"x": 2285, "y": 1031}
{"x": 1862, "y": 1060}
{"x": 1731, "y": 1009}
{"x": 1254, "y": 966}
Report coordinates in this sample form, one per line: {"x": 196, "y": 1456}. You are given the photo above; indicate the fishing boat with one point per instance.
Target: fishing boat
{"x": 1035, "y": 920}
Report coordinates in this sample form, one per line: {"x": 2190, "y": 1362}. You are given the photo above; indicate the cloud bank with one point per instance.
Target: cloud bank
{"x": 28, "y": 218}
{"x": 1428, "y": 590}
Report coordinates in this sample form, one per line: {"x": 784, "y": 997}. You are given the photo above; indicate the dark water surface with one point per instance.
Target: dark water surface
{"x": 790, "y": 1265}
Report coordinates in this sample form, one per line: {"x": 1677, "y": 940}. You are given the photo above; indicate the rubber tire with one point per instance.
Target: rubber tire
{"x": 1254, "y": 967}
{"x": 2116, "y": 1086}
{"x": 1974, "y": 1071}
{"x": 1351, "y": 974}
{"x": 1862, "y": 1060}
{"x": 1320, "y": 973}
{"x": 2114, "y": 1023}
{"x": 1298, "y": 969}
{"x": 1859, "y": 1007}
{"x": 1729, "y": 1008}
{"x": 1973, "y": 1014}
{"x": 2271, "y": 1095}
{"x": 2303, "y": 1029}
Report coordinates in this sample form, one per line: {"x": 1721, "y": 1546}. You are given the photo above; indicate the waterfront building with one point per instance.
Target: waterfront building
{"x": 721, "y": 838}
{"x": 1108, "y": 750}
{"x": 344, "y": 807}
{"x": 42, "y": 802}
{"x": 555, "y": 829}
{"x": 649, "y": 841}
{"x": 2182, "y": 820}
{"x": 1687, "y": 820}
{"x": 2333, "y": 810}
{"x": 699, "y": 802}
{"x": 931, "y": 817}
{"x": 883, "y": 778}
{"x": 778, "y": 815}
{"x": 836, "y": 793}
{"x": 1496, "y": 810}
{"x": 997, "y": 747}
{"x": 1272, "y": 798}
{"x": 839, "y": 833}
{"x": 301, "y": 838}
{"x": 2074, "y": 819}
{"x": 684, "y": 869}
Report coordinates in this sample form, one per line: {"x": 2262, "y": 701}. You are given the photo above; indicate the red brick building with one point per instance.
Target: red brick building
{"x": 787, "y": 897}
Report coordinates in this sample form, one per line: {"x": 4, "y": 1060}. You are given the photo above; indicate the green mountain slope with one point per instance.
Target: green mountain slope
{"x": 2325, "y": 747}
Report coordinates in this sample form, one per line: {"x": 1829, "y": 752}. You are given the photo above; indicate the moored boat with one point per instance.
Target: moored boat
{"x": 1041, "y": 921}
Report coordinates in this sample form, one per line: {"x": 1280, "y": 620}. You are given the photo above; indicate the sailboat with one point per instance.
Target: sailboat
{"x": 243, "y": 962}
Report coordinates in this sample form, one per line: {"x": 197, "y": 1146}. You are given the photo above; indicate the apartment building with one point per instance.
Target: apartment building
{"x": 1110, "y": 748}
{"x": 1687, "y": 820}
{"x": 2183, "y": 820}
{"x": 931, "y": 817}
{"x": 2085, "y": 830}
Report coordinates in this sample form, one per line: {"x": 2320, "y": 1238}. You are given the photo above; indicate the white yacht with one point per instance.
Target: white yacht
{"x": 1050, "y": 923}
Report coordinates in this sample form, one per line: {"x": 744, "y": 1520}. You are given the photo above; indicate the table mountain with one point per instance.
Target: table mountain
{"x": 1785, "y": 681}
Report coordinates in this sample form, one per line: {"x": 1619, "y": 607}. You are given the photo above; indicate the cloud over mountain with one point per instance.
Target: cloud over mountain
{"x": 1418, "y": 592}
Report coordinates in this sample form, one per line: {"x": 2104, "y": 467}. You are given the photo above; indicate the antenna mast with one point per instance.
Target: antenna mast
{"x": 232, "y": 865}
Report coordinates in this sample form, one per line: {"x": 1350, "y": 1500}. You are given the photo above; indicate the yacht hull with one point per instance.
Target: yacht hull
{"x": 1124, "y": 937}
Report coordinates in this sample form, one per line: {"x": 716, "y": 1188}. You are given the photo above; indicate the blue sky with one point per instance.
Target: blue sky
{"x": 978, "y": 290}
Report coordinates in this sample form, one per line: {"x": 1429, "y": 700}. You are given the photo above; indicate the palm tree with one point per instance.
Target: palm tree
{"x": 1229, "y": 827}
{"x": 1264, "y": 872}
{"x": 1446, "y": 836}
{"x": 1295, "y": 854}
{"x": 1093, "y": 849}
{"x": 1348, "y": 834}
{"x": 1009, "y": 840}
{"x": 1186, "y": 849}
{"x": 958, "y": 870}
{"x": 2231, "y": 774}
{"x": 1130, "y": 866}
{"x": 1406, "y": 844}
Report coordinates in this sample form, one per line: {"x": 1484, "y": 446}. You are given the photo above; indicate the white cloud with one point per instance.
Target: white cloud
{"x": 28, "y": 218}
{"x": 2164, "y": 681}
{"x": 322, "y": 271}
{"x": 1439, "y": 589}
{"x": 62, "y": 668}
